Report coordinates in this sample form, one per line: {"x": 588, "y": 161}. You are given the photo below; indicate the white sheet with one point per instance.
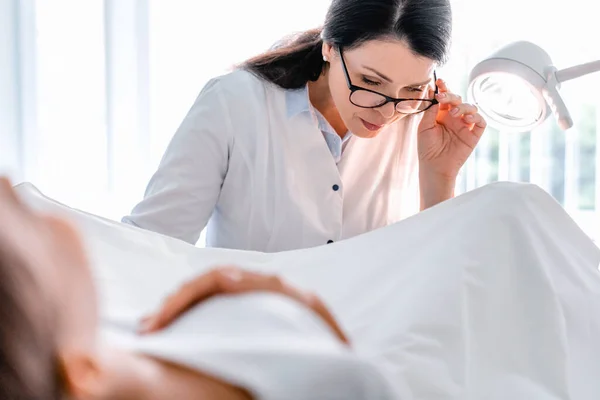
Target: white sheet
{"x": 492, "y": 295}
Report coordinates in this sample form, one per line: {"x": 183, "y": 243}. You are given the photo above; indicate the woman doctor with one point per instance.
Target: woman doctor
{"x": 332, "y": 134}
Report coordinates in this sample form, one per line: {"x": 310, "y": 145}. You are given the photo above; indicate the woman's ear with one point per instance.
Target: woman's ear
{"x": 327, "y": 51}
{"x": 82, "y": 375}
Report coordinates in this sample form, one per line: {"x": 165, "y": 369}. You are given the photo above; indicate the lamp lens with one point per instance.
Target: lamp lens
{"x": 508, "y": 100}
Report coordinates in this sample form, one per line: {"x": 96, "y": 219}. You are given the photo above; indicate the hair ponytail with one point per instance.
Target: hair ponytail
{"x": 292, "y": 63}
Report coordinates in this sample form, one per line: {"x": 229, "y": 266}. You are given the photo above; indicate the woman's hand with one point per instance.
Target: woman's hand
{"x": 231, "y": 280}
{"x": 448, "y": 134}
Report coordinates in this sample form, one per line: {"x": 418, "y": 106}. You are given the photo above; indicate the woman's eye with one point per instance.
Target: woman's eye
{"x": 369, "y": 82}
{"x": 416, "y": 90}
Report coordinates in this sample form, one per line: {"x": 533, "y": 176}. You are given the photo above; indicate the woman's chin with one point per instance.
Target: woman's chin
{"x": 366, "y": 133}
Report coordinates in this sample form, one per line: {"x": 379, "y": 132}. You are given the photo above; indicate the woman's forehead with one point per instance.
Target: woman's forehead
{"x": 393, "y": 59}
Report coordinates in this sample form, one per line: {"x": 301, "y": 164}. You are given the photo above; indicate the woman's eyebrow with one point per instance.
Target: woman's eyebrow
{"x": 382, "y": 76}
{"x": 385, "y": 78}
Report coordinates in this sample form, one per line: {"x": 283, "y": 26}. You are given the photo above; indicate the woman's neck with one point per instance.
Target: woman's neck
{"x": 159, "y": 380}
{"x": 320, "y": 98}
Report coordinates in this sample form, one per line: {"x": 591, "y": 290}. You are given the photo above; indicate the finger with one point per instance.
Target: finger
{"x": 253, "y": 282}
{"x": 189, "y": 294}
{"x": 442, "y": 86}
{"x": 269, "y": 283}
{"x": 274, "y": 284}
{"x": 146, "y": 324}
{"x": 448, "y": 99}
{"x": 317, "y": 305}
{"x": 463, "y": 109}
{"x": 145, "y": 319}
{"x": 173, "y": 306}
{"x": 258, "y": 282}
{"x": 477, "y": 123}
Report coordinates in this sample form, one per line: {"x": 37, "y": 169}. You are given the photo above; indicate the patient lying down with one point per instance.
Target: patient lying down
{"x": 49, "y": 327}
{"x": 494, "y": 294}
{"x": 48, "y": 322}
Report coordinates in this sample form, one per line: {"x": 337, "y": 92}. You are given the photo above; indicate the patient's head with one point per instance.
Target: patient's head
{"x": 28, "y": 367}
{"x": 48, "y": 323}
{"x": 47, "y": 300}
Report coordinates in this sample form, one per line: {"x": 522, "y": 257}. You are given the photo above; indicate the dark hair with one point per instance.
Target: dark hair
{"x": 28, "y": 363}
{"x": 425, "y": 25}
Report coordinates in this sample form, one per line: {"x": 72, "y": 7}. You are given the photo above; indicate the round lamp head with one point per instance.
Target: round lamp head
{"x": 508, "y": 87}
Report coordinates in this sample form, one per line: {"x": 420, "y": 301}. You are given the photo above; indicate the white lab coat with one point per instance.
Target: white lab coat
{"x": 265, "y": 180}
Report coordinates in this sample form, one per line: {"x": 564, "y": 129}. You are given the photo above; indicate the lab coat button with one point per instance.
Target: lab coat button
{"x": 336, "y": 188}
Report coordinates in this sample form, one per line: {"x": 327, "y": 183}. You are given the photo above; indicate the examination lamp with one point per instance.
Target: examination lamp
{"x": 516, "y": 88}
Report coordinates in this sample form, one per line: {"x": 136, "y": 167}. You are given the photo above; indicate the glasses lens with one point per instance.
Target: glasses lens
{"x": 412, "y": 106}
{"x": 363, "y": 98}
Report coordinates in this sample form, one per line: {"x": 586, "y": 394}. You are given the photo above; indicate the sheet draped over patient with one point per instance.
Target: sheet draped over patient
{"x": 492, "y": 295}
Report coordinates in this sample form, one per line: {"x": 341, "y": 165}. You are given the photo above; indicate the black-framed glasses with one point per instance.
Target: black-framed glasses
{"x": 366, "y": 98}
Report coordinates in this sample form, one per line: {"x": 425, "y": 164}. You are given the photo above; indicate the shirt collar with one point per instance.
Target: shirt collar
{"x": 297, "y": 101}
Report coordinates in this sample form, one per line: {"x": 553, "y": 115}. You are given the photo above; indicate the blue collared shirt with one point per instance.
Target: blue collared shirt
{"x": 298, "y": 102}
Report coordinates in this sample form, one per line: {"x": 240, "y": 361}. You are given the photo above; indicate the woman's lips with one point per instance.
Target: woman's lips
{"x": 370, "y": 126}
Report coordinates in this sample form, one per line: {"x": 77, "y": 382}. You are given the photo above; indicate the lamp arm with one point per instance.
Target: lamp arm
{"x": 555, "y": 101}
{"x": 577, "y": 71}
